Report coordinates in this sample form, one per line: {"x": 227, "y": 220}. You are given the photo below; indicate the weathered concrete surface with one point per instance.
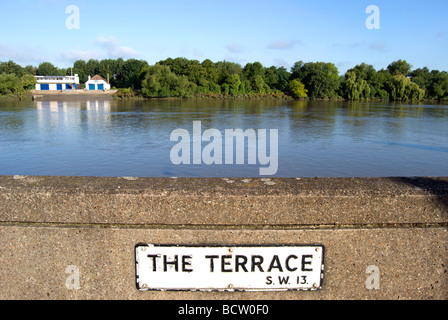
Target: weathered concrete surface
{"x": 50, "y": 223}
{"x": 255, "y": 202}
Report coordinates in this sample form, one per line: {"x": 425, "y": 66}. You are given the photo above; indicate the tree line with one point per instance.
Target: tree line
{"x": 181, "y": 77}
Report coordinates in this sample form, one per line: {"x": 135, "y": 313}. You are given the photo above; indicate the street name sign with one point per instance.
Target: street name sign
{"x": 229, "y": 268}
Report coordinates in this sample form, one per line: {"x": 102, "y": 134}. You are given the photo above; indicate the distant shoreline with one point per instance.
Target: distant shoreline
{"x": 81, "y": 95}
{"x": 72, "y": 95}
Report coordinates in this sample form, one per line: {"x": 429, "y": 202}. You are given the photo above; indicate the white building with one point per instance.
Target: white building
{"x": 57, "y": 83}
{"x": 97, "y": 83}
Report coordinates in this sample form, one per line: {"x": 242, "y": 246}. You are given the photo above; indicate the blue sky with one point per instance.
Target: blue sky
{"x": 278, "y": 32}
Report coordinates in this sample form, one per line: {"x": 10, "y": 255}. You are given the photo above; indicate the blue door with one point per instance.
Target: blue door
{"x": 68, "y": 86}
{"x": 101, "y": 87}
{"x": 59, "y": 87}
{"x": 44, "y": 87}
{"x": 91, "y": 87}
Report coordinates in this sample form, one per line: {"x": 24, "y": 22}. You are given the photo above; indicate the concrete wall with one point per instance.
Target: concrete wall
{"x": 54, "y": 227}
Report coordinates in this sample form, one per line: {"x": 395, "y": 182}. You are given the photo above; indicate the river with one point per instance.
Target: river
{"x": 133, "y": 138}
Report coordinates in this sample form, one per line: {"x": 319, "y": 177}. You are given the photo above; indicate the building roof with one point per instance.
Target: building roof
{"x": 97, "y": 77}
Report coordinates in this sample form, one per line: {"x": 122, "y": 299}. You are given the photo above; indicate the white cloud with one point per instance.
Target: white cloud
{"x": 284, "y": 44}
{"x": 378, "y": 46}
{"x": 73, "y": 55}
{"x": 345, "y": 46}
{"x": 114, "y": 48}
{"x": 343, "y": 66}
{"x": 235, "y": 48}
{"x": 282, "y": 63}
{"x": 238, "y": 60}
{"x": 441, "y": 34}
{"x": 23, "y": 55}
{"x": 111, "y": 45}
{"x": 198, "y": 53}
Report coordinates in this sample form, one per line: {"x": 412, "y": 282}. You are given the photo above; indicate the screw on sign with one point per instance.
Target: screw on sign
{"x": 266, "y": 268}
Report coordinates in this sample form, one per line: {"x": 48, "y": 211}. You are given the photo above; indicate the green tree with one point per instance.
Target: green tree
{"x": 297, "y": 89}
{"x": 320, "y": 79}
{"x": 277, "y": 78}
{"x": 234, "y": 83}
{"x": 9, "y": 84}
{"x": 30, "y": 70}
{"x": 201, "y": 74}
{"x": 422, "y": 77}
{"x": 354, "y": 87}
{"x": 80, "y": 68}
{"x": 195, "y": 72}
{"x": 211, "y": 71}
{"x": 438, "y": 85}
{"x": 435, "y": 83}
{"x": 401, "y": 88}
{"x": 226, "y": 68}
{"x": 225, "y": 89}
{"x": 283, "y": 77}
{"x": 129, "y": 74}
{"x": 93, "y": 67}
{"x": 178, "y": 66}
{"x": 296, "y": 70}
{"x": 368, "y": 73}
{"x": 112, "y": 68}
{"x": 258, "y": 85}
{"x": 384, "y": 77}
{"x": 255, "y": 74}
{"x": 108, "y": 68}
{"x": 399, "y": 67}
{"x": 48, "y": 69}
{"x": 28, "y": 82}
{"x": 11, "y": 67}
{"x": 252, "y": 70}
{"x": 159, "y": 81}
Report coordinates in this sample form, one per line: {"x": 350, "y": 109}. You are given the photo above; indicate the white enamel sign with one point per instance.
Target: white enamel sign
{"x": 272, "y": 268}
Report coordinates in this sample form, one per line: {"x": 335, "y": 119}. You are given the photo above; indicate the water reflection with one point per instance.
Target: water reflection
{"x": 414, "y": 146}
{"x": 132, "y": 138}
{"x": 68, "y": 110}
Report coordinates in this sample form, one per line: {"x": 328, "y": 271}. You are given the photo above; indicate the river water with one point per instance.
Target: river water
{"x": 132, "y": 138}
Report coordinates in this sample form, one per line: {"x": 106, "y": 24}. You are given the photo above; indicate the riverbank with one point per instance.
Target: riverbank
{"x": 17, "y": 97}
{"x": 72, "y": 95}
{"x": 126, "y": 94}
